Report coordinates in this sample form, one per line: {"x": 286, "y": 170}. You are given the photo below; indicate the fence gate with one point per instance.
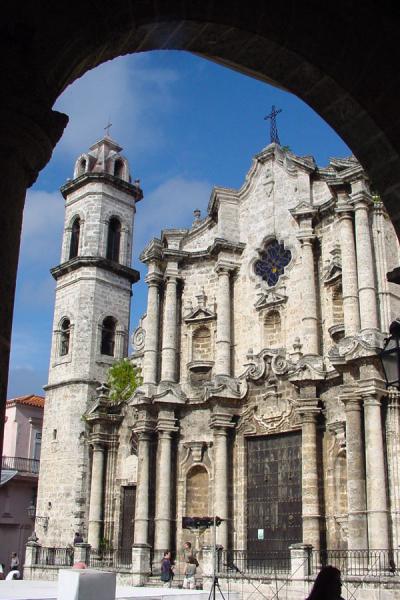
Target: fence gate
{"x": 128, "y": 516}
{"x": 273, "y": 494}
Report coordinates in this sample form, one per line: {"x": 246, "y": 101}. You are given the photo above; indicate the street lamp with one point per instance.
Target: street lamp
{"x": 31, "y": 510}
{"x": 390, "y": 356}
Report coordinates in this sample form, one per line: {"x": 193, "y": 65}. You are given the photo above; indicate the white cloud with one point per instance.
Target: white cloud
{"x": 170, "y": 205}
{"x": 130, "y": 91}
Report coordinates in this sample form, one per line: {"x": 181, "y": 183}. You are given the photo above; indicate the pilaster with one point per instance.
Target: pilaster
{"x": 223, "y": 338}
{"x": 150, "y": 359}
{"x": 169, "y": 338}
{"x": 220, "y": 423}
{"x": 164, "y": 481}
{"x": 377, "y": 507}
{"x": 361, "y": 200}
{"x": 308, "y": 412}
{"x": 356, "y": 492}
{"x": 393, "y": 459}
{"x": 96, "y": 496}
{"x": 144, "y": 431}
{"x": 351, "y": 309}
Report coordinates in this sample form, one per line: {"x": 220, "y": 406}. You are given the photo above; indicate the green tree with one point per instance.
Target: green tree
{"x": 123, "y": 379}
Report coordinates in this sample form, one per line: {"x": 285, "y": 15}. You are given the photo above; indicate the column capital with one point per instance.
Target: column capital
{"x": 221, "y": 421}
{"x": 166, "y": 426}
{"x": 351, "y": 399}
{"x": 153, "y": 279}
{"x": 306, "y": 237}
{"x": 224, "y": 267}
{"x": 308, "y": 410}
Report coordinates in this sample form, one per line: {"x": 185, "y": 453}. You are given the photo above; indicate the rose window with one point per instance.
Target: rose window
{"x": 272, "y": 262}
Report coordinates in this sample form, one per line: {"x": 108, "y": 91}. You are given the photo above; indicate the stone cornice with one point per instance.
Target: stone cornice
{"x": 220, "y": 245}
{"x": 309, "y": 369}
{"x": 72, "y": 381}
{"x": 226, "y": 388}
{"x": 219, "y": 194}
{"x": 90, "y": 178}
{"x": 95, "y": 261}
{"x": 303, "y": 210}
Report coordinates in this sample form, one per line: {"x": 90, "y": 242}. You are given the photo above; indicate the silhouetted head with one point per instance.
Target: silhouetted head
{"x": 327, "y": 585}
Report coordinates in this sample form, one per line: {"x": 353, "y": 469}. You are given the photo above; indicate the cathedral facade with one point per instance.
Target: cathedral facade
{"x": 262, "y": 399}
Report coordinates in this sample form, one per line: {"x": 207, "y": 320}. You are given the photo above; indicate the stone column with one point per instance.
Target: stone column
{"x": 377, "y": 509}
{"x": 356, "y": 494}
{"x": 29, "y": 134}
{"x": 379, "y": 229}
{"x": 164, "y": 481}
{"x": 142, "y": 489}
{"x": 112, "y": 451}
{"x": 220, "y": 424}
{"x": 152, "y": 328}
{"x": 223, "y": 337}
{"x": 308, "y": 412}
{"x": 366, "y": 283}
{"x": 351, "y": 309}
{"x": 168, "y": 357}
{"x": 309, "y": 302}
{"x": 96, "y": 497}
{"x": 393, "y": 459}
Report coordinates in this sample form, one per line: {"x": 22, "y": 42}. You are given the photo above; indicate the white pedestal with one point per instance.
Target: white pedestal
{"x": 85, "y": 584}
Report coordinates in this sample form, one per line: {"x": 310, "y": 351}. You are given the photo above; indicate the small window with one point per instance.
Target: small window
{"x": 82, "y": 166}
{"x": 271, "y": 265}
{"x": 118, "y": 168}
{"x": 74, "y": 246}
{"x": 65, "y": 337}
{"x": 108, "y": 336}
{"x": 114, "y": 238}
{"x": 272, "y": 330}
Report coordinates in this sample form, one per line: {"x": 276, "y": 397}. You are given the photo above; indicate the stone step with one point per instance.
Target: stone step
{"x": 154, "y": 581}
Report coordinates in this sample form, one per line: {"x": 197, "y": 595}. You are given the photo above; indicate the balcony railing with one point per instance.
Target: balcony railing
{"x": 358, "y": 562}
{"x": 54, "y": 557}
{"x": 24, "y": 465}
{"x": 247, "y": 562}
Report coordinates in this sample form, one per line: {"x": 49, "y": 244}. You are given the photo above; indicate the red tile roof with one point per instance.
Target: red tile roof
{"x": 30, "y": 400}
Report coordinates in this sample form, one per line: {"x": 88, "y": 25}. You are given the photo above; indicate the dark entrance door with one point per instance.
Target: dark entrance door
{"x": 128, "y": 516}
{"x": 273, "y": 494}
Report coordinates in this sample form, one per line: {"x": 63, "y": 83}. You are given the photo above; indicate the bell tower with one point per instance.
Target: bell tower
{"x": 90, "y": 329}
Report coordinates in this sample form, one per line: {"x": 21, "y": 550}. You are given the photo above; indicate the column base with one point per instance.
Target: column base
{"x": 300, "y": 560}
{"x": 141, "y": 567}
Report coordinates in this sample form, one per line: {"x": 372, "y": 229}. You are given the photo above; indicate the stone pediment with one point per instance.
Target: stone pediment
{"x": 223, "y": 386}
{"x": 303, "y": 209}
{"x": 270, "y": 299}
{"x": 200, "y": 314}
{"x": 364, "y": 345}
{"x": 169, "y": 394}
{"x": 308, "y": 369}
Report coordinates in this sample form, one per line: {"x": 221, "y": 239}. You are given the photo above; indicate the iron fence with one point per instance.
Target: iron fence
{"x": 17, "y": 463}
{"x": 237, "y": 562}
{"x": 54, "y": 557}
{"x": 358, "y": 562}
{"x": 115, "y": 559}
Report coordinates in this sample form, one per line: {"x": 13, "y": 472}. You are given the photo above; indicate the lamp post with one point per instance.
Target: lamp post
{"x": 31, "y": 510}
{"x": 390, "y": 355}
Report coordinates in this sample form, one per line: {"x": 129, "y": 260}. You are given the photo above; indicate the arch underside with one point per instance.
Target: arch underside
{"x": 341, "y": 59}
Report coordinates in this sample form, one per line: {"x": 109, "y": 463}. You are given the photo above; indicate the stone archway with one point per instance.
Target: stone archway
{"x": 341, "y": 59}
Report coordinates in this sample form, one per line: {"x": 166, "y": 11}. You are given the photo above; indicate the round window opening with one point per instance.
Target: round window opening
{"x": 272, "y": 262}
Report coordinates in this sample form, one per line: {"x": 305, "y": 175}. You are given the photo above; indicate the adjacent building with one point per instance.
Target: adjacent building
{"x": 20, "y": 473}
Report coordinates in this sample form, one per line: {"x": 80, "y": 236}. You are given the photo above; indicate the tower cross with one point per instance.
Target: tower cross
{"x": 107, "y": 128}
{"x": 273, "y": 131}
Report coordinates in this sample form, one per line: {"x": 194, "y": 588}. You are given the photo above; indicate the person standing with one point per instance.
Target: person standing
{"x": 167, "y": 573}
{"x": 78, "y": 539}
{"x": 189, "y": 580}
{"x": 14, "y": 562}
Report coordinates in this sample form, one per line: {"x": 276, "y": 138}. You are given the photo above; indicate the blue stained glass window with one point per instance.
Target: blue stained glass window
{"x": 272, "y": 263}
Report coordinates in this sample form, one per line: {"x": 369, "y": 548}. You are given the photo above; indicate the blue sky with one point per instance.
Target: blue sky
{"x": 185, "y": 124}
